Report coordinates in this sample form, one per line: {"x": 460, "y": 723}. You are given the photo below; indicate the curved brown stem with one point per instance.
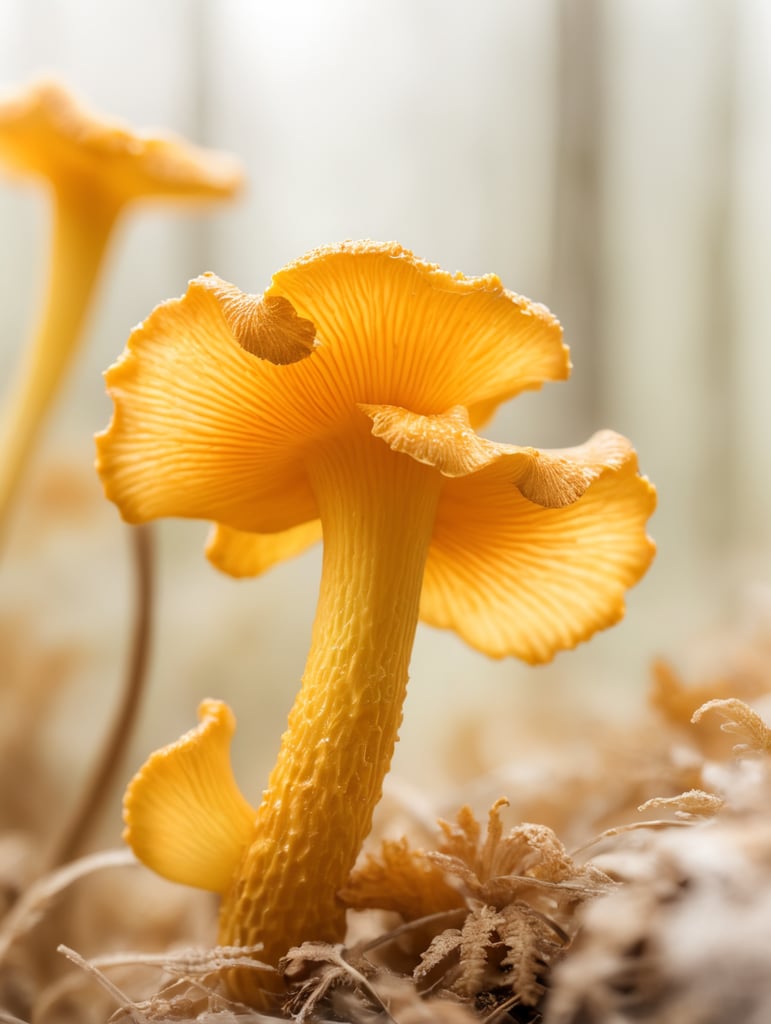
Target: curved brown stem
{"x": 104, "y": 772}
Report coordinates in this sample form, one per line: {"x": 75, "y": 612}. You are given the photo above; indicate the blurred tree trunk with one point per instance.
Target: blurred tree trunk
{"x": 577, "y": 289}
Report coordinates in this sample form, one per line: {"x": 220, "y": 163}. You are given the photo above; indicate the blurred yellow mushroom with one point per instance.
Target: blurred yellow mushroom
{"x": 94, "y": 168}
{"x": 369, "y": 437}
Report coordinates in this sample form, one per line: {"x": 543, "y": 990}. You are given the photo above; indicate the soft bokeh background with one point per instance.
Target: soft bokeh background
{"x": 611, "y": 159}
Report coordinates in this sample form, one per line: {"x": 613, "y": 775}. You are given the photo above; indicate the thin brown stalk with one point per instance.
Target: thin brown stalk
{"x": 104, "y": 772}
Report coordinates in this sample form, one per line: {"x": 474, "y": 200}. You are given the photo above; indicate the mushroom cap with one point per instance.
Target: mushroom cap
{"x": 231, "y": 433}
{"x": 45, "y": 131}
{"x": 532, "y": 550}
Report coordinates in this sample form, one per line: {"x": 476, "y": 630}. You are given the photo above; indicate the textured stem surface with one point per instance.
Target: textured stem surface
{"x": 377, "y": 511}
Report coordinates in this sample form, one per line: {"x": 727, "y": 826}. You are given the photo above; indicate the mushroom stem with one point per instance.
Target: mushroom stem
{"x": 377, "y": 511}
{"x": 83, "y": 222}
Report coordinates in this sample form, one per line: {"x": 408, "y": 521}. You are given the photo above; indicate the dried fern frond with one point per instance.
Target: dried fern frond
{"x": 695, "y": 803}
{"x": 312, "y": 970}
{"x": 401, "y": 880}
{"x": 741, "y": 720}
{"x": 442, "y": 953}
{"x": 499, "y": 869}
{"x": 461, "y": 839}
{"x": 508, "y": 951}
{"x": 517, "y": 890}
{"x": 532, "y": 943}
{"x": 523, "y": 848}
{"x": 417, "y": 883}
{"x": 479, "y": 938}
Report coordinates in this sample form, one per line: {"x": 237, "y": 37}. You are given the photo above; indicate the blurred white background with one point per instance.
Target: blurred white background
{"x": 610, "y": 159}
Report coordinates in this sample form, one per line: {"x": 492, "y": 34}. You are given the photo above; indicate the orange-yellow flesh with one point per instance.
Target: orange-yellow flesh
{"x": 514, "y": 578}
{"x": 184, "y": 813}
{"x": 47, "y": 132}
{"x": 404, "y": 332}
{"x": 447, "y": 442}
{"x": 318, "y": 805}
{"x": 204, "y": 429}
{"x": 242, "y": 554}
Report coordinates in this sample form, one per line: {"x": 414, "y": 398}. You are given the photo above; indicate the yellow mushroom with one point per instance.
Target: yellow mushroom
{"x": 94, "y": 169}
{"x": 367, "y": 436}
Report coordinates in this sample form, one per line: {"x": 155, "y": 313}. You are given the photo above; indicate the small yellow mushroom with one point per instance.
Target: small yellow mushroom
{"x": 94, "y": 169}
{"x": 369, "y": 438}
